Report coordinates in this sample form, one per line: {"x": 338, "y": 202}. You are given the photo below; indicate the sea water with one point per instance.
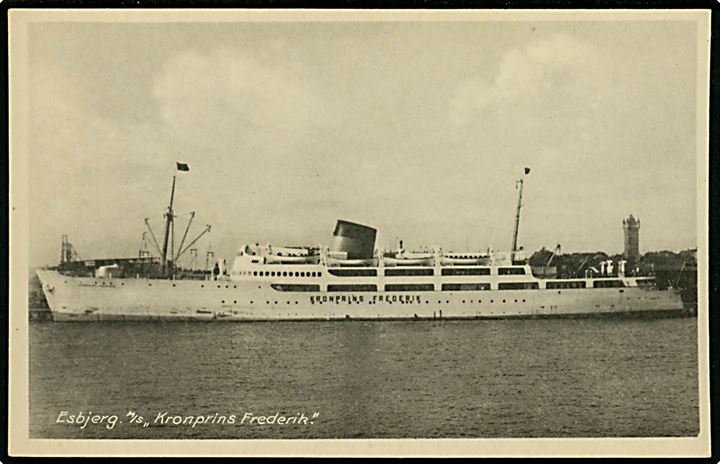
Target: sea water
{"x": 353, "y": 379}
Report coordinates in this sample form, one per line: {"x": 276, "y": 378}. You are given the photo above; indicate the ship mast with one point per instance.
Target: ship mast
{"x": 169, "y": 216}
{"x": 519, "y": 184}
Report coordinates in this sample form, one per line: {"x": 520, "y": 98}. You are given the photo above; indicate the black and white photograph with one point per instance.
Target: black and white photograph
{"x": 359, "y": 233}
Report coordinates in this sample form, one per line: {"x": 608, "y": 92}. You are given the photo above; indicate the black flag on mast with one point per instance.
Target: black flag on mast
{"x": 182, "y": 166}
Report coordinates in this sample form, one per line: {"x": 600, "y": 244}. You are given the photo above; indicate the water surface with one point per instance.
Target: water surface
{"x": 484, "y": 379}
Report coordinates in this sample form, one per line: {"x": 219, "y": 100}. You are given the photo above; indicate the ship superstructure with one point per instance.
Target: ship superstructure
{"x": 352, "y": 280}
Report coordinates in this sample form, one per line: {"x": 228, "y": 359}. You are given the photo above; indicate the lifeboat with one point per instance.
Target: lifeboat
{"x": 370, "y": 262}
{"x": 280, "y": 259}
{"x": 457, "y": 259}
{"x": 409, "y": 259}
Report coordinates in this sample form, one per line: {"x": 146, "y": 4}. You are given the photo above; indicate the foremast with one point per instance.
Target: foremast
{"x": 169, "y": 224}
{"x": 167, "y": 251}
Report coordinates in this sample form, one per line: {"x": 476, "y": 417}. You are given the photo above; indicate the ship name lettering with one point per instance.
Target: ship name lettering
{"x": 337, "y": 299}
{"x": 320, "y": 299}
{"x": 402, "y": 299}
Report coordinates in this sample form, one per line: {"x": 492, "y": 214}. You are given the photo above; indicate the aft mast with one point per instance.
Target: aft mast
{"x": 519, "y": 184}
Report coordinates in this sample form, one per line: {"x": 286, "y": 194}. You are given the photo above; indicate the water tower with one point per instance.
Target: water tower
{"x": 631, "y": 227}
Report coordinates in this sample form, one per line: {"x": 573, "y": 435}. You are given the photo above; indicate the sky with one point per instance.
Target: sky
{"x": 417, "y": 129}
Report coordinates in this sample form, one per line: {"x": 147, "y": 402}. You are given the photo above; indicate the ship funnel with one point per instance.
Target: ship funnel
{"x": 357, "y": 240}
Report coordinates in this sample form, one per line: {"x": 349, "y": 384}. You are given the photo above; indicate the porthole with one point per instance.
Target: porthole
{"x": 255, "y": 273}
{"x": 503, "y": 301}
{"x": 463, "y": 301}
{"x": 173, "y": 285}
{"x": 319, "y": 274}
{"x": 272, "y": 274}
{"x": 223, "y": 301}
{"x": 297, "y": 274}
{"x": 302, "y": 274}
{"x": 276, "y": 302}
{"x": 235, "y": 302}
{"x": 284, "y": 273}
{"x": 202, "y": 285}
{"x": 492, "y": 301}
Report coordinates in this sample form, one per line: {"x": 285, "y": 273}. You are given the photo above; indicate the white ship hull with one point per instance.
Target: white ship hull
{"x": 86, "y": 298}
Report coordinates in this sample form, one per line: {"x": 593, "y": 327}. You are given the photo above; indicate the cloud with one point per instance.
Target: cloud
{"x": 226, "y": 99}
{"x": 556, "y": 67}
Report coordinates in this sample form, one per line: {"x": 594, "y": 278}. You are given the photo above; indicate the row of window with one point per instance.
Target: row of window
{"x": 455, "y": 271}
{"x": 281, "y": 273}
{"x": 466, "y": 271}
{"x": 518, "y": 286}
{"x": 340, "y": 272}
{"x": 566, "y": 284}
{"x": 409, "y": 272}
{"x": 403, "y": 287}
{"x": 608, "y": 283}
{"x": 296, "y": 302}
{"x": 391, "y": 272}
{"x": 466, "y": 287}
{"x": 511, "y": 271}
{"x": 429, "y": 272}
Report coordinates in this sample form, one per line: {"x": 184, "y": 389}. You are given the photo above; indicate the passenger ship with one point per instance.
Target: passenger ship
{"x": 350, "y": 280}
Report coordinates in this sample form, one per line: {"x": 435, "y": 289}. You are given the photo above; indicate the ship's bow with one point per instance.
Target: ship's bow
{"x": 51, "y": 282}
